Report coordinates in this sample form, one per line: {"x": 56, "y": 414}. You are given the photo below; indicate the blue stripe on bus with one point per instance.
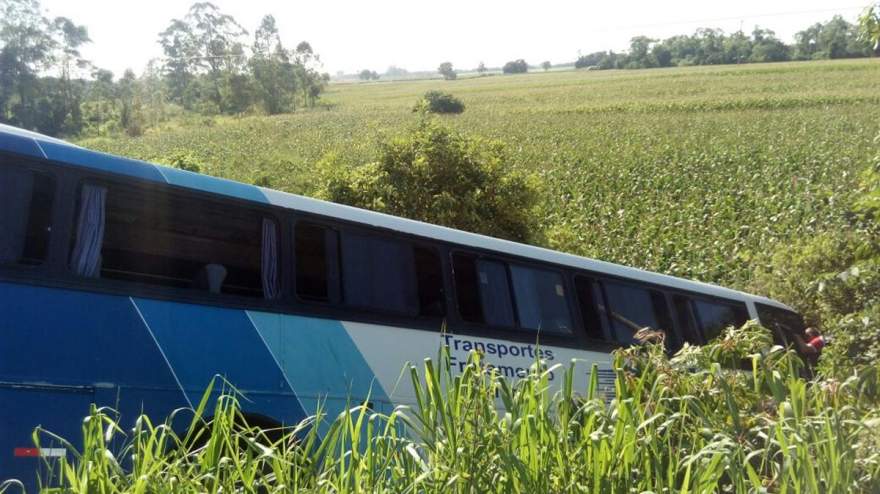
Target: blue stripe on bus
{"x": 20, "y": 144}
{"x": 201, "y": 342}
{"x": 192, "y": 180}
{"x": 321, "y": 361}
{"x": 83, "y": 157}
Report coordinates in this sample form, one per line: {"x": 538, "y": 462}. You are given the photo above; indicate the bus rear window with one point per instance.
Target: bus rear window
{"x": 26, "y": 215}
{"x": 782, "y": 322}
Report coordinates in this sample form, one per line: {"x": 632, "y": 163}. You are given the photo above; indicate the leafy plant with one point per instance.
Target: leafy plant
{"x": 441, "y": 176}
{"x": 439, "y": 102}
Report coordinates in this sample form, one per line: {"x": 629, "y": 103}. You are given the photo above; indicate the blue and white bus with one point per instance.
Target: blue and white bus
{"x": 131, "y": 285}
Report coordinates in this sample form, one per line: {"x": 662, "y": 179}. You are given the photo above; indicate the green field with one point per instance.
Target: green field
{"x": 698, "y": 172}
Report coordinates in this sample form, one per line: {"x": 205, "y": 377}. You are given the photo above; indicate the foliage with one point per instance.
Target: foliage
{"x": 439, "y": 102}
{"x": 834, "y": 279}
{"x": 869, "y": 26}
{"x": 368, "y": 75}
{"x": 836, "y": 38}
{"x": 518, "y": 66}
{"x": 441, "y": 176}
{"x": 546, "y": 65}
{"x": 688, "y": 424}
{"x": 447, "y": 71}
{"x": 46, "y": 84}
{"x": 481, "y": 68}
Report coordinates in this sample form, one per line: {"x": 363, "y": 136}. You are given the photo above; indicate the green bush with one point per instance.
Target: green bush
{"x": 438, "y": 175}
{"x": 439, "y": 102}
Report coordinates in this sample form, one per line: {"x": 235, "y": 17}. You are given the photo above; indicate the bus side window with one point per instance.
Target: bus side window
{"x": 316, "y": 262}
{"x": 429, "y": 278}
{"x": 589, "y": 303}
{"x": 541, "y": 304}
{"x": 684, "y": 318}
{"x": 379, "y": 273}
{"x": 170, "y": 238}
{"x": 632, "y": 308}
{"x": 483, "y": 291}
{"x": 26, "y": 215}
{"x": 714, "y": 317}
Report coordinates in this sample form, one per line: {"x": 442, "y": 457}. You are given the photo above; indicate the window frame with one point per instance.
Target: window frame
{"x": 517, "y": 332}
{"x": 49, "y": 266}
{"x": 147, "y": 290}
{"x": 340, "y": 306}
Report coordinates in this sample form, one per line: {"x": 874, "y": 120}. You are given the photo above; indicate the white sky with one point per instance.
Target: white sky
{"x": 418, "y": 35}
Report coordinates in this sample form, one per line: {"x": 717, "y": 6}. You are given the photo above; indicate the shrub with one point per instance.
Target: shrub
{"x": 437, "y": 175}
{"x": 518, "y": 66}
{"x": 439, "y": 102}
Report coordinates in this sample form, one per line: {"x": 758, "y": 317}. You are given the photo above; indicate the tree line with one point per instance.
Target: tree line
{"x": 835, "y": 38}
{"x": 211, "y": 65}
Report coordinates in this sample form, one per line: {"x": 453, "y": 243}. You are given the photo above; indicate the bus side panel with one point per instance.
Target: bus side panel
{"x": 57, "y": 347}
{"x": 24, "y": 407}
{"x": 321, "y": 362}
{"x": 201, "y": 342}
{"x": 388, "y": 349}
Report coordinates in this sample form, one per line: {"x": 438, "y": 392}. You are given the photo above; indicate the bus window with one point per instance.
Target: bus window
{"x": 632, "y": 308}
{"x": 783, "y": 323}
{"x": 379, "y": 273}
{"x": 684, "y": 317}
{"x": 483, "y": 291}
{"x": 589, "y": 303}
{"x": 317, "y": 264}
{"x": 429, "y": 278}
{"x": 540, "y": 300}
{"x": 171, "y": 239}
{"x": 714, "y": 317}
{"x": 26, "y": 215}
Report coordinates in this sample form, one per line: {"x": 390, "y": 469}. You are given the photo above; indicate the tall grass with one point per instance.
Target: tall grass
{"x": 696, "y": 422}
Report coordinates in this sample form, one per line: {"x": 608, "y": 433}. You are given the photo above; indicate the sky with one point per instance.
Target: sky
{"x": 419, "y": 35}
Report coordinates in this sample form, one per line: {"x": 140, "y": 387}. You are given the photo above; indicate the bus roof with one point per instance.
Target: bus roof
{"x": 29, "y": 143}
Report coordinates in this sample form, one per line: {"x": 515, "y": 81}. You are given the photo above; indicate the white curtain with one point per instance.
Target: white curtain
{"x": 269, "y": 259}
{"x": 15, "y": 188}
{"x": 86, "y": 257}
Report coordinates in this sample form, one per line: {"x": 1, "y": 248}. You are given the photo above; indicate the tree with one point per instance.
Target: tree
{"x": 447, "y": 71}
{"x": 368, "y": 75}
{"x": 766, "y": 47}
{"x": 274, "y": 76}
{"x": 546, "y": 65}
{"x": 481, "y": 69}
{"x": 394, "y": 71}
{"x": 518, "y": 66}
{"x": 640, "y": 53}
{"x": 437, "y": 175}
{"x": 206, "y": 41}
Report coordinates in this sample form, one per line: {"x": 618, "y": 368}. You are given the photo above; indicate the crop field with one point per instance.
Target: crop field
{"x": 698, "y": 172}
